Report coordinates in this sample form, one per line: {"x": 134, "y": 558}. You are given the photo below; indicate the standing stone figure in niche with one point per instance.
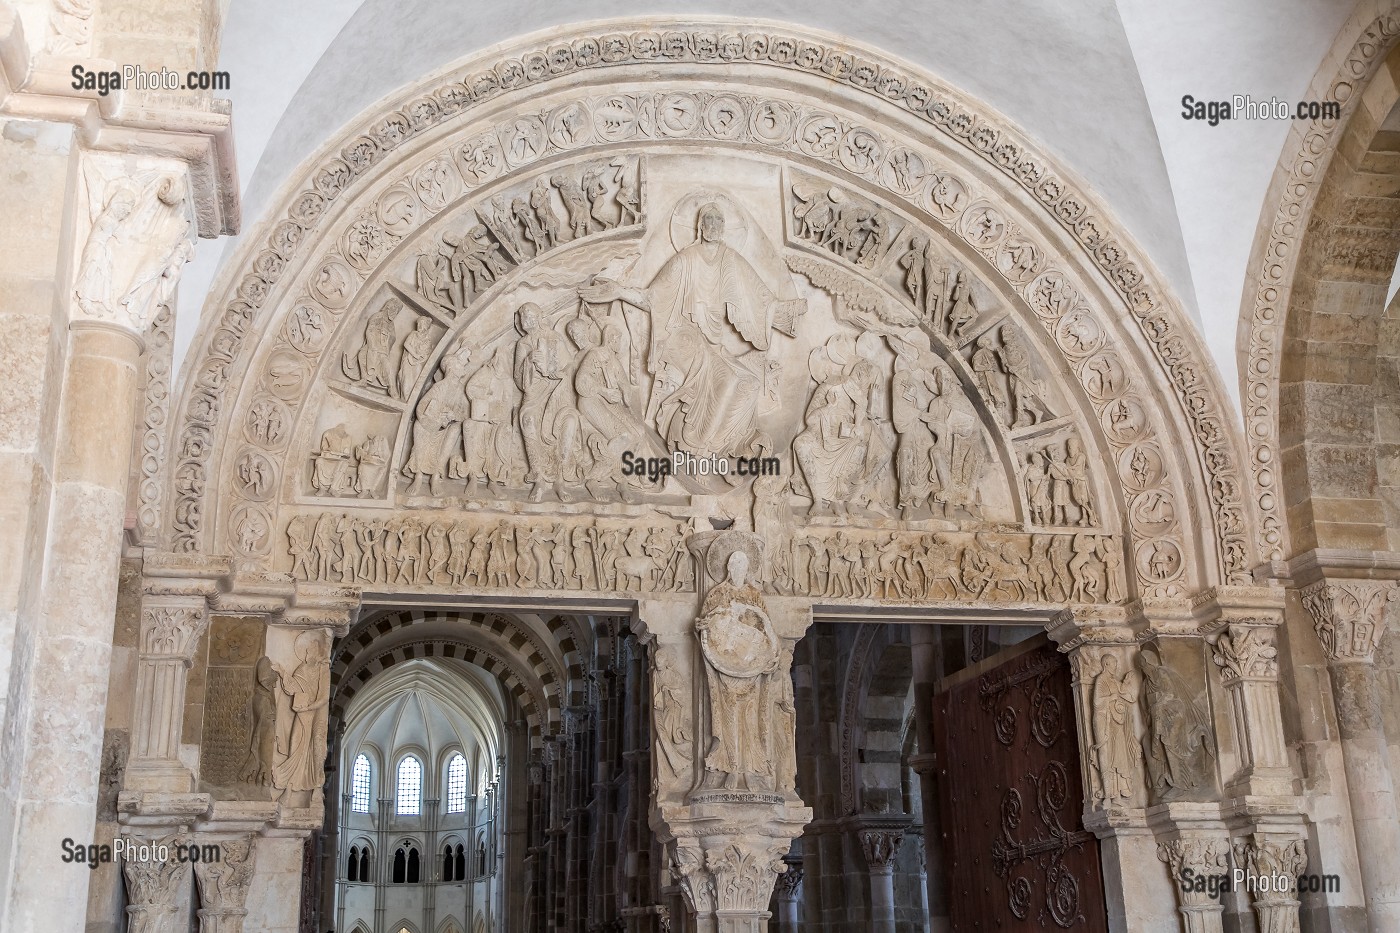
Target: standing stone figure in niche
{"x": 1116, "y": 750}
{"x": 712, "y": 321}
{"x": 541, "y": 363}
{"x": 742, "y": 653}
{"x": 262, "y": 736}
{"x": 672, "y": 720}
{"x": 301, "y": 722}
{"x": 416, "y": 348}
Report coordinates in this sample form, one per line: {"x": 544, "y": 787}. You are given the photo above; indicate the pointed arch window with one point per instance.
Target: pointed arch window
{"x": 457, "y": 784}
{"x": 352, "y": 868}
{"x": 409, "y": 788}
{"x": 454, "y": 863}
{"x": 406, "y": 864}
{"x": 359, "y": 785}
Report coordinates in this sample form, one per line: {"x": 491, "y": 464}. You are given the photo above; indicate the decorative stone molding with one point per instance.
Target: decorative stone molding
{"x": 155, "y": 888}
{"x": 696, "y": 47}
{"x": 223, "y": 884}
{"x": 1191, "y": 858}
{"x": 1306, "y": 159}
{"x": 151, "y": 451}
{"x": 1349, "y": 616}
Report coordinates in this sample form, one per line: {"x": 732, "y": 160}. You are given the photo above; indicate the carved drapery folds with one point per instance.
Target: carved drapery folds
{"x": 303, "y": 708}
{"x": 223, "y": 884}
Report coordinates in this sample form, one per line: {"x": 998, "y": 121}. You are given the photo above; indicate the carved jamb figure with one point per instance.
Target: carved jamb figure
{"x": 672, "y": 721}
{"x": 262, "y": 734}
{"x": 741, "y": 650}
{"x": 301, "y": 733}
{"x": 1178, "y": 739}
{"x": 93, "y": 288}
{"x": 1115, "y": 746}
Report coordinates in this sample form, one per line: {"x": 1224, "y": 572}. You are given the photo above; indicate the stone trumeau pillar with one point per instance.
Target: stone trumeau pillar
{"x": 1350, "y": 611}
{"x": 725, "y": 806}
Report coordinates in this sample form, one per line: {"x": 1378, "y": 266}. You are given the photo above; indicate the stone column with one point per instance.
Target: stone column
{"x": 789, "y": 895}
{"x": 723, "y": 725}
{"x": 879, "y": 841}
{"x": 1266, "y": 854}
{"x": 1349, "y": 617}
{"x": 170, "y": 631}
{"x": 1102, "y": 649}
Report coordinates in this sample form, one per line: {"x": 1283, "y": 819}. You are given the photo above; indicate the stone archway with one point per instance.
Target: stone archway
{"x": 762, "y": 246}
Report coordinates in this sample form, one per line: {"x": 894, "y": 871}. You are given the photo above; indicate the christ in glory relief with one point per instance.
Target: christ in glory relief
{"x": 712, "y": 319}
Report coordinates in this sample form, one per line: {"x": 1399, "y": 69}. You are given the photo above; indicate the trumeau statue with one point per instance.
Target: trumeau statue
{"x": 743, "y": 658}
{"x": 1116, "y": 754}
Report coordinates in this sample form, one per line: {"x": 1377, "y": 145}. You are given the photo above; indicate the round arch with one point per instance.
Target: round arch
{"x": 1312, "y": 343}
{"x": 1115, "y": 366}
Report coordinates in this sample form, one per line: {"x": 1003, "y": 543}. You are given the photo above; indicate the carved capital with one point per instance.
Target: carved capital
{"x": 153, "y": 885}
{"x": 880, "y": 847}
{"x": 1349, "y": 616}
{"x": 1195, "y": 857}
{"x": 789, "y": 886}
{"x": 224, "y": 883}
{"x": 1246, "y": 652}
{"x": 140, "y": 236}
{"x": 171, "y": 631}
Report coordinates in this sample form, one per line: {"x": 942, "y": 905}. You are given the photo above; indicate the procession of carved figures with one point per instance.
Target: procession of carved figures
{"x": 421, "y": 550}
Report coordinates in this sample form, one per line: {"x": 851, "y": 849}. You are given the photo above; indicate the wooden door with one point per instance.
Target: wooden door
{"x": 1011, "y": 801}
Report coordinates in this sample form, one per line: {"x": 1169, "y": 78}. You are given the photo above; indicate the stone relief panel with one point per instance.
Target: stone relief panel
{"x": 1022, "y": 403}
{"x": 236, "y": 715}
{"x": 905, "y": 169}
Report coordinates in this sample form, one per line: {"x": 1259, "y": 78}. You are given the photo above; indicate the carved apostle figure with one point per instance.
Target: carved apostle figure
{"x": 741, "y": 651}
{"x": 541, "y": 364}
{"x": 439, "y": 410}
{"x": 301, "y": 733}
{"x": 262, "y": 737}
{"x": 1116, "y": 748}
{"x": 712, "y": 320}
{"x": 370, "y": 366}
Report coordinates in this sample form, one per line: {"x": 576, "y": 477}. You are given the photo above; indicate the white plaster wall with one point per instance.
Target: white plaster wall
{"x": 1097, "y": 82}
